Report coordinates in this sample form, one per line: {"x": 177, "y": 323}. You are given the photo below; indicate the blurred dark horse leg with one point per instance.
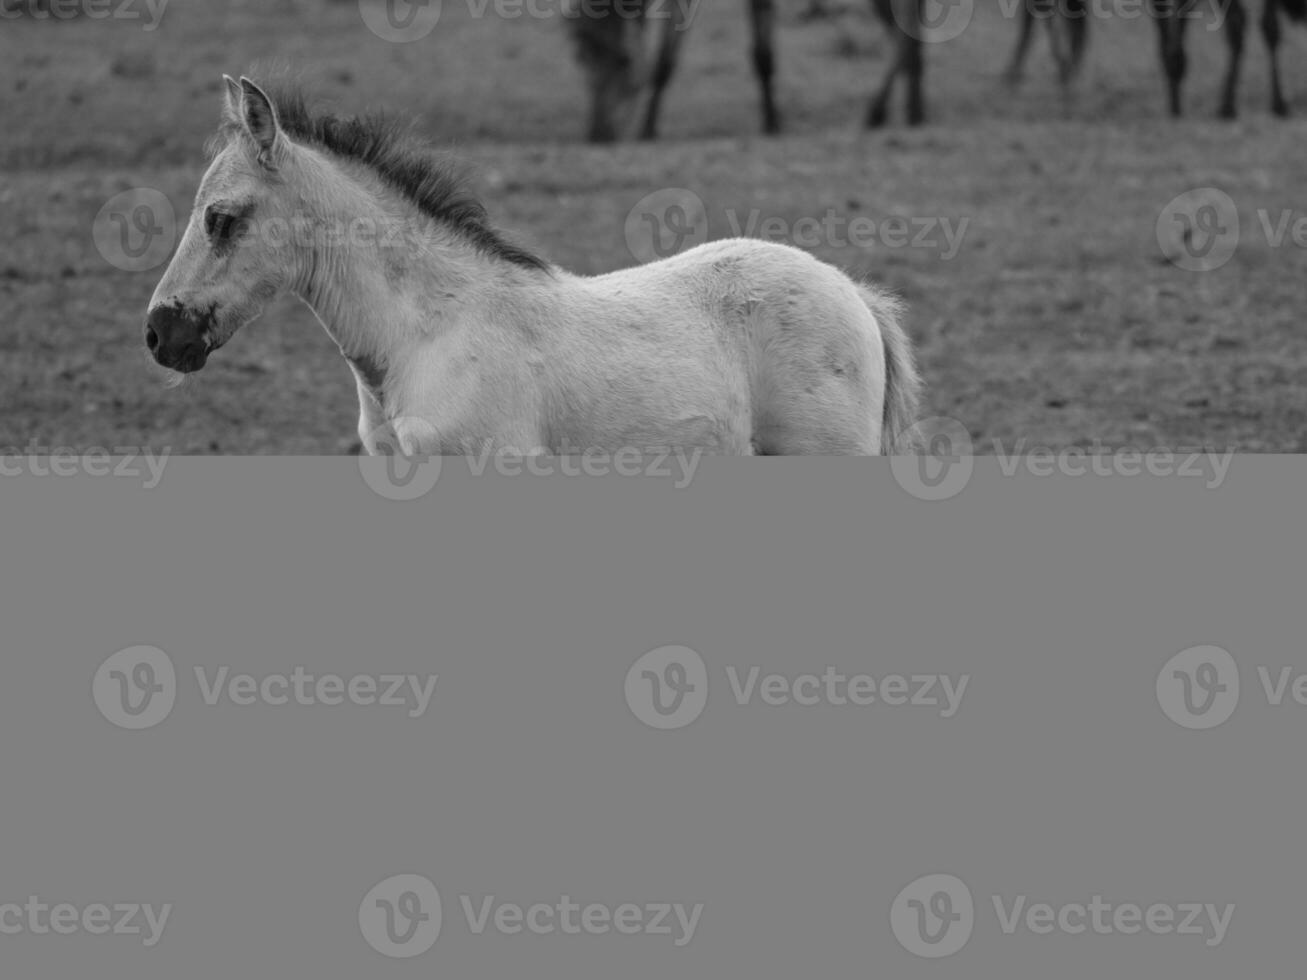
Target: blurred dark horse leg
{"x": 907, "y": 58}
{"x": 669, "y": 49}
{"x": 1236, "y": 26}
{"x": 763, "y": 19}
{"x": 606, "y": 52}
{"x": 1171, "y": 18}
{"x": 611, "y": 46}
{"x": 1016, "y": 69}
{"x": 1296, "y": 10}
{"x": 1068, "y": 32}
{"x": 1074, "y": 29}
{"x": 1070, "y": 35}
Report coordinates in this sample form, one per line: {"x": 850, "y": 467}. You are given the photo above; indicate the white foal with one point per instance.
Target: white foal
{"x": 463, "y": 343}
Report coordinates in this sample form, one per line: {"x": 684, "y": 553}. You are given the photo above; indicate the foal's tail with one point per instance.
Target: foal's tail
{"x": 902, "y": 383}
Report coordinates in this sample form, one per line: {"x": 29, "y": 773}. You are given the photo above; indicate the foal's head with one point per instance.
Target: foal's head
{"x": 224, "y": 275}
{"x": 291, "y": 199}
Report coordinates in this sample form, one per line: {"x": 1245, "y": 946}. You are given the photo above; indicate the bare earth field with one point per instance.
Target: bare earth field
{"x": 1059, "y": 321}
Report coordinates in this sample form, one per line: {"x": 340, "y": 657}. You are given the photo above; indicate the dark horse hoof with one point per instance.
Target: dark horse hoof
{"x": 877, "y": 116}
{"x": 1281, "y": 109}
{"x": 1228, "y": 112}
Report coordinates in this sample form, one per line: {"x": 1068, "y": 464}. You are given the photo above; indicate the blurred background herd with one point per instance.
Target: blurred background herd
{"x": 1068, "y": 316}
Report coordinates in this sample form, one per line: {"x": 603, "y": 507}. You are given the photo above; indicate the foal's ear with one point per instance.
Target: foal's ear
{"x": 232, "y": 103}
{"x": 260, "y": 119}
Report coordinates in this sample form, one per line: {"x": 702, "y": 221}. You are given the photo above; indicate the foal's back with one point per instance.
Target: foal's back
{"x": 778, "y": 352}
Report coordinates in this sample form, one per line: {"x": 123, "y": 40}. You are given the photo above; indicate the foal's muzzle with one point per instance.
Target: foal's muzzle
{"x": 178, "y": 338}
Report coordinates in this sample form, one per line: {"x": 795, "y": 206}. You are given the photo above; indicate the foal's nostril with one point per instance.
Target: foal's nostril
{"x": 151, "y": 339}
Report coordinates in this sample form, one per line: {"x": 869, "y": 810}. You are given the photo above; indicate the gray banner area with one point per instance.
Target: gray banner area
{"x": 789, "y": 720}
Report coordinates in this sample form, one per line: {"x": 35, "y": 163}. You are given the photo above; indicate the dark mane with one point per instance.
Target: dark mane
{"x": 438, "y": 187}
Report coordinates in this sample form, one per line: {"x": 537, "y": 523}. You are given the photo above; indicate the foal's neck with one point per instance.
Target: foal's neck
{"x": 389, "y": 279}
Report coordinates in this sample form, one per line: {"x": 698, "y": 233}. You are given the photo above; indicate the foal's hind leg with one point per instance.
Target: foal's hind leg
{"x": 1236, "y": 22}
{"x": 815, "y": 393}
{"x": 1271, "y": 33}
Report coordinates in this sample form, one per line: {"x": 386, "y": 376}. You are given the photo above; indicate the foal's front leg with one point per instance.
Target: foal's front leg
{"x": 371, "y": 418}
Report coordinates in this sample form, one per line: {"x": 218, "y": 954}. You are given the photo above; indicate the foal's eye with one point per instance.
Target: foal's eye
{"x": 219, "y": 226}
